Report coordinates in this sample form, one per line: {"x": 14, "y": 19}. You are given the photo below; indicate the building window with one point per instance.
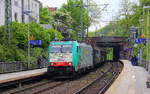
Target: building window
{"x": 32, "y": 5}
{"x": 16, "y": 17}
{"x": 35, "y": 5}
{"x": 16, "y": 3}
{"x": 36, "y": 11}
{"x": 23, "y": 19}
{"x": 28, "y": 4}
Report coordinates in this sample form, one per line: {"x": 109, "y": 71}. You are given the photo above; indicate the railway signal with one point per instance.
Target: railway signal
{"x": 143, "y": 36}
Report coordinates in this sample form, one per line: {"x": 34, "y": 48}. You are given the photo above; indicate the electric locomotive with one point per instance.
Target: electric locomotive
{"x": 67, "y": 58}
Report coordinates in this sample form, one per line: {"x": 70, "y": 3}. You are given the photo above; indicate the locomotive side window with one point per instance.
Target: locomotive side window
{"x": 77, "y": 49}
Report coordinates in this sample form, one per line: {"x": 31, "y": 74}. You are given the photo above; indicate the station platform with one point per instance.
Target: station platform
{"x": 9, "y": 77}
{"x": 132, "y": 80}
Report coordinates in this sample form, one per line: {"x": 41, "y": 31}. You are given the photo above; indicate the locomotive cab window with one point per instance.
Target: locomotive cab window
{"x": 66, "y": 49}
{"x": 55, "y": 49}
{"x": 61, "y": 49}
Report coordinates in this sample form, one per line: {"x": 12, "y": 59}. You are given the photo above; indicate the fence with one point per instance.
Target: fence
{"x": 7, "y": 67}
{"x": 145, "y": 64}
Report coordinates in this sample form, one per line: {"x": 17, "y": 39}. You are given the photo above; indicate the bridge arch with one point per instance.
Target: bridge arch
{"x": 119, "y": 44}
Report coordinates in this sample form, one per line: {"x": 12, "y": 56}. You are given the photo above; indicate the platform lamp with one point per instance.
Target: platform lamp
{"x": 141, "y": 20}
{"x": 141, "y": 35}
{"x": 133, "y": 36}
{"x": 147, "y": 29}
{"x": 147, "y": 33}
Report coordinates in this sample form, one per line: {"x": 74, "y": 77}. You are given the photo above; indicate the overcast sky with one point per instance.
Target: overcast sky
{"x": 112, "y": 9}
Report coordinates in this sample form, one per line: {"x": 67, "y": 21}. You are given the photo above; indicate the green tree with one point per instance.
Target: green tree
{"x": 45, "y": 16}
{"x": 94, "y": 11}
{"x": 62, "y": 21}
{"x": 92, "y": 34}
{"x": 17, "y": 49}
{"x": 78, "y": 13}
{"x": 145, "y": 2}
{"x": 125, "y": 12}
{"x": 128, "y": 17}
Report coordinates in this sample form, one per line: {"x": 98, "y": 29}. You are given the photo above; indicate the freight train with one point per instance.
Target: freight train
{"x": 68, "y": 58}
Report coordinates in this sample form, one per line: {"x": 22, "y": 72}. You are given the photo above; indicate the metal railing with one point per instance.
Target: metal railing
{"x": 144, "y": 63}
{"x": 7, "y": 67}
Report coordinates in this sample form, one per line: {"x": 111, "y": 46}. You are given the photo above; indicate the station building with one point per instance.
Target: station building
{"x": 22, "y": 11}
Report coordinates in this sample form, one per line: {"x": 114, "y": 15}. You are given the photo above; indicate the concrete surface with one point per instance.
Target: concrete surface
{"x": 21, "y": 75}
{"x": 132, "y": 80}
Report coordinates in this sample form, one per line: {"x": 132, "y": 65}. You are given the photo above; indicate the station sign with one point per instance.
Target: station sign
{"x": 140, "y": 40}
{"x": 35, "y": 42}
{"x": 128, "y": 49}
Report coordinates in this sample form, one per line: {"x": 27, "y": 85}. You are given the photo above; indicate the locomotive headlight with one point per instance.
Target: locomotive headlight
{"x": 52, "y": 63}
{"x": 69, "y": 63}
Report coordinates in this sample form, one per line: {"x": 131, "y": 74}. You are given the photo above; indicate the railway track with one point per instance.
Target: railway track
{"x": 106, "y": 75}
{"x": 100, "y": 85}
{"x": 37, "y": 88}
{"x": 103, "y": 75}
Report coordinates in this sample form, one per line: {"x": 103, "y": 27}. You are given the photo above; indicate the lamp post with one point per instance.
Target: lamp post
{"x": 147, "y": 29}
{"x": 147, "y": 33}
{"x": 141, "y": 20}
{"x": 27, "y": 12}
{"x": 81, "y": 19}
{"x": 133, "y": 35}
{"x": 28, "y": 45}
{"x": 88, "y": 12}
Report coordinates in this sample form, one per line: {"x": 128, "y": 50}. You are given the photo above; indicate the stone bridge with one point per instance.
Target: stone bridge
{"x": 119, "y": 45}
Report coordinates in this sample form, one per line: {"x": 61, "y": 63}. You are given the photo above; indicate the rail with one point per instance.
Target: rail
{"x": 102, "y": 91}
{"x": 105, "y": 84}
{"x": 38, "y": 88}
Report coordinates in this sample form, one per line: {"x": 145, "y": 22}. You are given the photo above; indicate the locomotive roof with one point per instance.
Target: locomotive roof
{"x": 85, "y": 45}
{"x": 62, "y": 42}
{"x": 69, "y": 42}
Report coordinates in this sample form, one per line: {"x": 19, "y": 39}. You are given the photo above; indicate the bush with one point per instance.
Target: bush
{"x": 17, "y": 49}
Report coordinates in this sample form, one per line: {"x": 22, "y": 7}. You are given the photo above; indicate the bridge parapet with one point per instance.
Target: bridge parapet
{"x": 108, "y": 39}
{"x": 118, "y": 43}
